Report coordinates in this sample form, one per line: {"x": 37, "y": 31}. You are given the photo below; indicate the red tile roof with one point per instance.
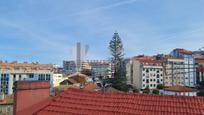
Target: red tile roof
{"x": 82, "y": 102}
{"x": 179, "y": 89}
{"x": 183, "y": 51}
{"x": 90, "y": 87}
{"x": 199, "y": 60}
{"x": 147, "y": 60}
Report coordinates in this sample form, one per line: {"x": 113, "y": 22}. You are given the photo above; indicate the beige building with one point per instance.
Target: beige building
{"x": 57, "y": 79}
{"x": 143, "y": 73}
{"x": 174, "y": 72}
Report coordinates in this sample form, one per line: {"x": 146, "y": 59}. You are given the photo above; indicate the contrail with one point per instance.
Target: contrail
{"x": 123, "y": 2}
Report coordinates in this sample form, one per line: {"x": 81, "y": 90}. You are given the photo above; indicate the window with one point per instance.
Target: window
{"x": 43, "y": 76}
{"x": 143, "y": 80}
{"x": 14, "y": 77}
{"x": 147, "y": 70}
{"x": 150, "y": 85}
{"x": 147, "y": 81}
{"x": 31, "y": 75}
{"x": 157, "y": 75}
{"x": 47, "y": 76}
{"x": 39, "y": 77}
{"x": 150, "y": 79}
{"x": 20, "y": 77}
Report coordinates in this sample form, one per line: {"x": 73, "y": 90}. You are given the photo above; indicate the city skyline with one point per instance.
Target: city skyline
{"x": 46, "y": 31}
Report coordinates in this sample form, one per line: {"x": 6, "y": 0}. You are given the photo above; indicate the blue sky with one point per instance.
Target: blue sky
{"x": 47, "y": 30}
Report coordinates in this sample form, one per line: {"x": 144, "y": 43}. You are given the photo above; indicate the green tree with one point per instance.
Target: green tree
{"x": 155, "y": 91}
{"x": 116, "y": 49}
{"x": 160, "y": 86}
{"x": 146, "y": 90}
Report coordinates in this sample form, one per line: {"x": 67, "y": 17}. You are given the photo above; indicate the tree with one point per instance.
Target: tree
{"x": 116, "y": 49}
{"x": 160, "y": 86}
{"x": 135, "y": 90}
{"x": 155, "y": 91}
{"x": 146, "y": 90}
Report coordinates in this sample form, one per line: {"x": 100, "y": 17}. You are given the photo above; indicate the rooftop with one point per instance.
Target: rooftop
{"x": 179, "y": 89}
{"x": 24, "y": 65}
{"x": 183, "y": 51}
{"x": 147, "y": 60}
{"x": 81, "y": 102}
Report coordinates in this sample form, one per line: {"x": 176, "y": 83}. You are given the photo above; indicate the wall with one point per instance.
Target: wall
{"x": 29, "y": 93}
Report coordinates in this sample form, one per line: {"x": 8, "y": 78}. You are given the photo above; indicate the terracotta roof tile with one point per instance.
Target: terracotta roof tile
{"x": 90, "y": 87}
{"x": 79, "y": 102}
{"x": 179, "y": 89}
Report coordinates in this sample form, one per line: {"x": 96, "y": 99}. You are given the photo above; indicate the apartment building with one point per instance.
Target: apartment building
{"x": 69, "y": 67}
{"x": 199, "y": 65}
{"x": 144, "y": 72}
{"x": 189, "y": 70}
{"x": 15, "y": 71}
{"x": 99, "y": 68}
{"x": 174, "y": 72}
{"x": 199, "y": 71}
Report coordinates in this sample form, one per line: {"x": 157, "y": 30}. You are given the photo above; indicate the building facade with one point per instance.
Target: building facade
{"x": 174, "y": 72}
{"x": 199, "y": 71}
{"x": 57, "y": 79}
{"x": 189, "y": 70}
{"x": 69, "y": 67}
{"x": 15, "y": 71}
{"x": 98, "y": 68}
{"x": 143, "y": 73}
{"x": 179, "y": 91}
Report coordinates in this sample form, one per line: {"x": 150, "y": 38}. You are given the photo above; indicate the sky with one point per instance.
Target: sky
{"x": 47, "y": 30}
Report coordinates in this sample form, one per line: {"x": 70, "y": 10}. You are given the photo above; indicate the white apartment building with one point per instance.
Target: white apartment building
{"x": 15, "y": 71}
{"x": 143, "y": 73}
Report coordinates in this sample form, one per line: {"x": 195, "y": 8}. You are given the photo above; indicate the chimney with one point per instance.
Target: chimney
{"x": 29, "y": 93}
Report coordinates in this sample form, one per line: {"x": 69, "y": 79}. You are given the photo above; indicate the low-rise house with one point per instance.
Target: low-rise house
{"x": 179, "y": 91}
